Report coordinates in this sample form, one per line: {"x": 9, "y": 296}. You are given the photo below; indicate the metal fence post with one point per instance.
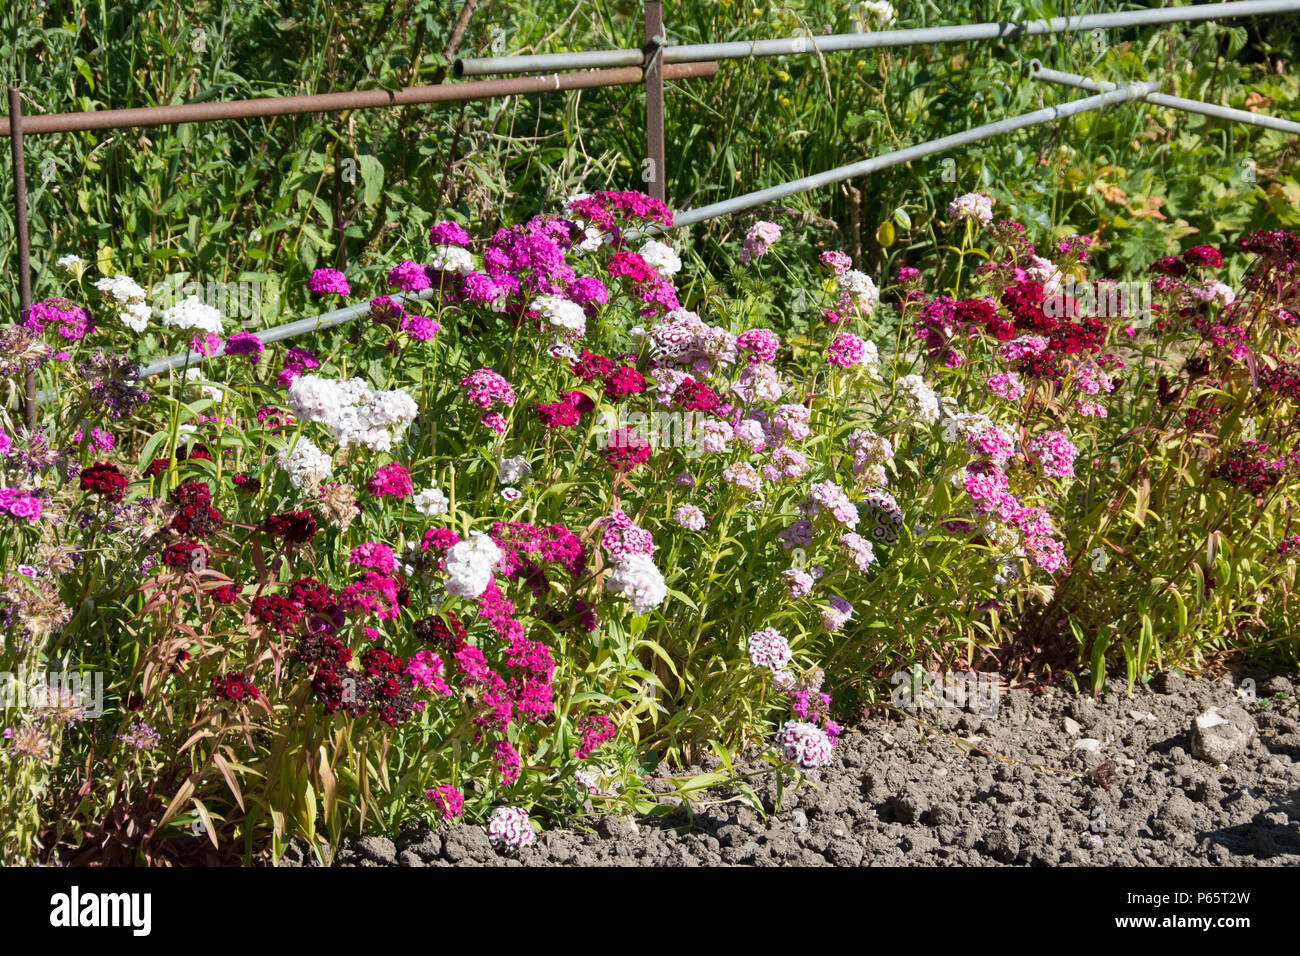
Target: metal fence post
{"x": 654, "y": 99}
{"x": 20, "y": 228}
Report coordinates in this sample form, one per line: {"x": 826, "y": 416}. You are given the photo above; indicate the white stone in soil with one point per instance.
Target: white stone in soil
{"x": 1089, "y": 744}
{"x": 1072, "y": 726}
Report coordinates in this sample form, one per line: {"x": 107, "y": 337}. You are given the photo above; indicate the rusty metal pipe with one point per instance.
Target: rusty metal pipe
{"x": 353, "y": 100}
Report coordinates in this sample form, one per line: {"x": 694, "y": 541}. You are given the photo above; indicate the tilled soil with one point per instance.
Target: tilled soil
{"x": 899, "y": 793}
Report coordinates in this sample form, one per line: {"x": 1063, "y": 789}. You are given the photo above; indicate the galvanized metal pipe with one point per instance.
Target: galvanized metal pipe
{"x": 1039, "y": 72}
{"x": 1129, "y": 91}
{"x": 838, "y": 42}
{"x": 355, "y": 99}
{"x": 24, "y": 250}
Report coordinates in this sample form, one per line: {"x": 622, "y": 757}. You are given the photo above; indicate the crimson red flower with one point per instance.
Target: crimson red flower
{"x": 626, "y": 449}
{"x": 695, "y": 396}
{"x": 581, "y": 401}
{"x": 591, "y": 366}
{"x": 184, "y": 553}
{"x": 104, "y": 479}
{"x": 1203, "y": 256}
{"x": 624, "y": 381}
{"x": 277, "y": 612}
{"x": 227, "y": 593}
{"x": 558, "y": 415}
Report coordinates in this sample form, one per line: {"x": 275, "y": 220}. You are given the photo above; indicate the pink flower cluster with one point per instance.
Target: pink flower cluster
{"x": 485, "y": 388}
{"x": 1055, "y": 454}
{"x": 762, "y": 236}
{"x": 846, "y": 350}
{"x": 447, "y": 800}
{"x": 592, "y": 733}
{"x": 621, "y": 536}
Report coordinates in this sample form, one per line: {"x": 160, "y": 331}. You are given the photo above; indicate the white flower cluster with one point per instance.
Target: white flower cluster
{"x": 75, "y": 266}
{"x": 660, "y": 257}
{"x": 125, "y": 293}
{"x": 509, "y": 829}
{"x": 860, "y": 289}
{"x": 306, "y": 464}
{"x": 469, "y": 565}
{"x": 452, "y": 259}
{"x": 567, "y": 318}
{"x": 192, "y": 312}
{"x": 353, "y": 413}
{"x": 804, "y": 744}
{"x": 1216, "y": 292}
{"x": 959, "y": 425}
{"x": 871, "y": 15}
{"x": 431, "y": 501}
{"x": 921, "y": 401}
{"x": 121, "y": 289}
{"x": 637, "y": 579}
{"x": 1044, "y": 272}
{"x": 135, "y": 316}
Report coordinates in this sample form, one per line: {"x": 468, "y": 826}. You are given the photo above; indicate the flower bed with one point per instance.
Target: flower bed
{"x": 506, "y": 545}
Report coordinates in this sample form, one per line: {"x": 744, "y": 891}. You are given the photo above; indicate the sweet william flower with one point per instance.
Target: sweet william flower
{"x": 805, "y": 745}
{"x": 509, "y": 829}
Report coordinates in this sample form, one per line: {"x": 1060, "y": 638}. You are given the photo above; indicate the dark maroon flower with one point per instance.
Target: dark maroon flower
{"x": 183, "y": 554}
{"x": 104, "y": 479}
{"x": 1169, "y": 266}
{"x": 296, "y": 527}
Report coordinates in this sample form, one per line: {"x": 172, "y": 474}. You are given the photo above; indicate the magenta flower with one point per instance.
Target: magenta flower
{"x": 391, "y": 481}
{"x": 327, "y": 282}
{"x": 447, "y": 800}
{"x": 245, "y": 343}
{"x": 408, "y": 276}
{"x": 448, "y": 233}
